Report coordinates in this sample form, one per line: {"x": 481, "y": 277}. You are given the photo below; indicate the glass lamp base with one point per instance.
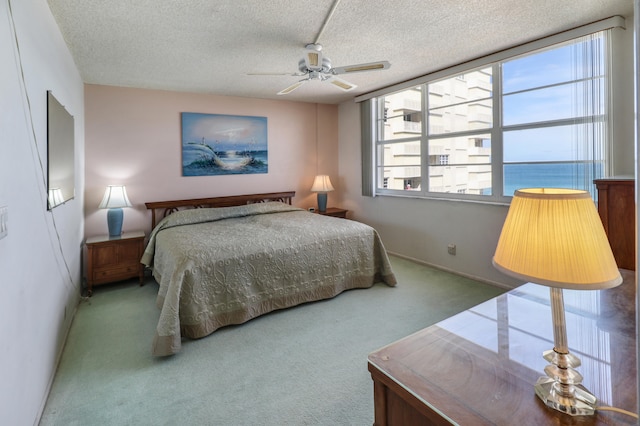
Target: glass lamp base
{"x": 114, "y": 221}
{"x": 581, "y": 403}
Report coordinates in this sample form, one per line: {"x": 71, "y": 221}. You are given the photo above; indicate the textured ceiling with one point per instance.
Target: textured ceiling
{"x": 209, "y": 46}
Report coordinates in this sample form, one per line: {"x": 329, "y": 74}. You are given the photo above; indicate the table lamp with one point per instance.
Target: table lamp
{"x": 322, "y": 185}
{"x": 115, "y": 198}
{"x": 555, "y": 237}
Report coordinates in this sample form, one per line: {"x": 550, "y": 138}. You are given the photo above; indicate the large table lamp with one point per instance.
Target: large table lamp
{"x": 115, "y": 198}
{"x": 322, "y": 185}
{"x": 555, "y": 237}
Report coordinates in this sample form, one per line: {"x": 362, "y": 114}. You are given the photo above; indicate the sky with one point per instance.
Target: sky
{"x": 552, "y": 103}
{"x": 542, "y": 87}
{"x": 225, "y": 132}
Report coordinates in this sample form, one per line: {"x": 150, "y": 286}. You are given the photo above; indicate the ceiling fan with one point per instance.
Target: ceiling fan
{"x": 316, "y": 66}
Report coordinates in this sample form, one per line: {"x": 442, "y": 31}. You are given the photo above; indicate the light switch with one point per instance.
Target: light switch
{"x": 4, "y": 218}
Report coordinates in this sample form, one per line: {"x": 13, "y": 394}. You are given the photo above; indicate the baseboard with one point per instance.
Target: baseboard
{"x": 67, "y": 328}
{"x": 452, "y": 271}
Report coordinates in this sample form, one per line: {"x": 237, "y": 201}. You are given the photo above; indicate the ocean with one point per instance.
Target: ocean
{"x": 201, "y": 160}
{"x": 549, "y": 175}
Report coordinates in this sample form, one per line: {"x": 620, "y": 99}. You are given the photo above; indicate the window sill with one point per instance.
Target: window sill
{"x": 503, "y": 201}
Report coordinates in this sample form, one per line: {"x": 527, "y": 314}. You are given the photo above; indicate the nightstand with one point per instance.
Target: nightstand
{"x": 334, "y": 211}
{"x": 112, "y": 259}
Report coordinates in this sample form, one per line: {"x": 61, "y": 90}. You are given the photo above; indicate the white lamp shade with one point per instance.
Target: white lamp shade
{"x": 555, "y": 237}
{"x": 115, "y": 197}
{"x": 55, "y": 197}
{"x": 322, "y": 183}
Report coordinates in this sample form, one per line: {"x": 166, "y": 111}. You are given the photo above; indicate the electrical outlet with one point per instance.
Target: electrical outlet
{"x": 451, "y": 249}
{"x": 4, "y": 219}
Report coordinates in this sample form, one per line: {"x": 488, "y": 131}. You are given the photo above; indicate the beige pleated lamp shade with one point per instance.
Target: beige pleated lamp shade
{"x": 555, "y": 237}
{"x": 322, "y": 183}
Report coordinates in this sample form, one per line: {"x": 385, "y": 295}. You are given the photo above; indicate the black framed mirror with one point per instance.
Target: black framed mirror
{"x": 60, "y": 154}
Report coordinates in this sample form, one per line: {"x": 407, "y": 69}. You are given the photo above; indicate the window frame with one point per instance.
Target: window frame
{"x": 369, "y": 104}
{"x": 496, "y": 131}
{"x": 424, "y": 142}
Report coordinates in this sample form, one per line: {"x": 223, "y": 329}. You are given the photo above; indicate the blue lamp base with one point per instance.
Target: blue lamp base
{"x": 114, "y": 221}
{"x": 322, "y": 201}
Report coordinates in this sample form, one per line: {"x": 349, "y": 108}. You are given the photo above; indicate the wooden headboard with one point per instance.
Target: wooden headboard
{"x": 165, "y": 208}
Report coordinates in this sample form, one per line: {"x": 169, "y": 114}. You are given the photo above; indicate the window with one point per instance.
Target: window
{"x": 554, "y": 118}
{"x": 441, "y": 159}
{"x": 538, "y": 119}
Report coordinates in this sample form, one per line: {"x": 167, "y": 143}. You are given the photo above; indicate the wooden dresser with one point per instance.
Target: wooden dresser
{"x": 617, "y": 208}
{"x": 479, "y": 367}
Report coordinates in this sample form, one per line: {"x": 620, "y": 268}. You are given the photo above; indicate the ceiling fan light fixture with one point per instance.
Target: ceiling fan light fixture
{"x": 314, "y": 58}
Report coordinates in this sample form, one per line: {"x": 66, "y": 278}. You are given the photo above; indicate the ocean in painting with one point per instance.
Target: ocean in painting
{"x": 202, "y": 160}
{"x": 549, "y": 175}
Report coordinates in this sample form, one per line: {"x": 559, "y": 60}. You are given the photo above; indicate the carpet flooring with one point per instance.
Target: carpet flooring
{"x": 305, "y": 365}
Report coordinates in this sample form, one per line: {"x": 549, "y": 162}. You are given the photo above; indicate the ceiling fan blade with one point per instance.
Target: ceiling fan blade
{"x": 291, "y": 88}
{"x": 340, "y": 83}
{"x": 371, "y": 66}
{"x": 269, "y": 73}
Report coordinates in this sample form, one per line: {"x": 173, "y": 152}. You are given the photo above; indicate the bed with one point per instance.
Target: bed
{"x": 225, "y": 260}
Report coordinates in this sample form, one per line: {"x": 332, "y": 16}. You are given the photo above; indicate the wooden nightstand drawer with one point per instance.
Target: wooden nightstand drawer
{"x": 114, "y": 259}
{"x": 115, "y": 274}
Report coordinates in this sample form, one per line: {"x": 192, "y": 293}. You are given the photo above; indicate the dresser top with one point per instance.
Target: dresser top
{"x": 123, "y": 236}
{"x": 479, "y": 367}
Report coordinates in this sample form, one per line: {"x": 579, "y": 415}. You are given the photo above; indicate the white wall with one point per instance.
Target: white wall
{"x": 40, "y": 257}
{"x": 422, "y": 228}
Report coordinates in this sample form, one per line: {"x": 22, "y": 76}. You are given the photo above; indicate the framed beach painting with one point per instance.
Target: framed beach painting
{"x": 218, "y": 144}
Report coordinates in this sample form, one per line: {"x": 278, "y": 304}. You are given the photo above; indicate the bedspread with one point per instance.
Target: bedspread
{"x": 224, "y": 266}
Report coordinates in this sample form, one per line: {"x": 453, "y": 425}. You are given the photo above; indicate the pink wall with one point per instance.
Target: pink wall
{"x": 133, "y": 137}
